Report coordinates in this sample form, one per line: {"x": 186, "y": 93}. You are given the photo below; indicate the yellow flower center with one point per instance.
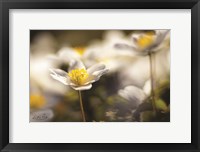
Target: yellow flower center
{"x": 78, "y": 76}
{"x": 79, "y": 50}
{"x": 37, "y": 101}
{"x": 145, "y": 40}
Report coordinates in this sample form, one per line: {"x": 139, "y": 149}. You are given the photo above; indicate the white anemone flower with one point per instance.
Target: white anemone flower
{"x": 145, "y": 43}
{"x": 136, "y": 95}
{"x": 78, "y": 77}
{"x": 139, "y": 72}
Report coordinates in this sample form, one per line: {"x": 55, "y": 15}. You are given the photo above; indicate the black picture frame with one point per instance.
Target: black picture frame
{"x": 5, "y": 5}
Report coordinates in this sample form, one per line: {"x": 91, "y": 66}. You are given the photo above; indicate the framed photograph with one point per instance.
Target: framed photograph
{"x": 99, "y": 75}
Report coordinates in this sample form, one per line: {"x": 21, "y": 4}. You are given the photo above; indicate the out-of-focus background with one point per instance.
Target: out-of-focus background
{"x": 123, "y": 94}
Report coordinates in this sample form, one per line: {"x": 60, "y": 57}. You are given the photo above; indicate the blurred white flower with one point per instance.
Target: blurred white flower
{"x": 136, "y": 95}
{"x": 105, "y": 52}
{"x": 78, "y": 77}
{"x": 133, "y": 94}
{"x": 138, "y": 71}
{"x": 39, "y": 75}
{"x": 98, "y": 51}
{"x": 42, "y": 44}
{"x": 145, "y": 43}
{"x": 66, "y": 54}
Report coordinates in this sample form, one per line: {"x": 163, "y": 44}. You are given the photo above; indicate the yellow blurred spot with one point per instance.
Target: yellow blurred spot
{"x": 37, "y": 101}
{"x": 79, "y": 50}
{"x": 145, "y": 40}
{"x": 78, "y": 76}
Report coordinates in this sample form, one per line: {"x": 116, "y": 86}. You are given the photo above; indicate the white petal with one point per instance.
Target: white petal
{"x": 65, "y": 55}
{"x": 76, "y": 64}
{"x": 123, "y": 46}
{"x": 59, "y": 78}
{"x": 96, "y": 76}
{"x": 133, "y": 94}
{"x": 161, "y": 34}
{"x": 132, "y": 103}
{"x": 100, "y": 73}
{"x": 90, "y": 80}
{"x": 95, "y": 67}
{"x": 60, "y": 75}
{"x": 126, "y": 53}
{"x": 68, "y": 54}
{"x": 123, "y": 94}
{"x": 147, "y": 87}
{"x": 59, "y": 72}
{"x": 135, "y": 50}
{"x": 135, "y": 37}
{"x": 85, "y": 87}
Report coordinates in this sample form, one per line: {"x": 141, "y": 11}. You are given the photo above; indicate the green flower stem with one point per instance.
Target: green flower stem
{"x": 152, "y": 83}
{"x": 81, "y": 105}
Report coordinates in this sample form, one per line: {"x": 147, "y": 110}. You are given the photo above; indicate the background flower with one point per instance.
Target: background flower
{"x": 146, "y": 42}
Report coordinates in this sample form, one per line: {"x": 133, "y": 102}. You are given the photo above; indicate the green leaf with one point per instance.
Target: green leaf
{"x": 147, "y": 116}
{"x": 161, "y": 105}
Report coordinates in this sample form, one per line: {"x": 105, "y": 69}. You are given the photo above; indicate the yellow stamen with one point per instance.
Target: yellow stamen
{"x": 78, "y": 76}
{"x": 37, "y": 101}
{"x": 145, "y": 40}
{"x": 79, "y": 50}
